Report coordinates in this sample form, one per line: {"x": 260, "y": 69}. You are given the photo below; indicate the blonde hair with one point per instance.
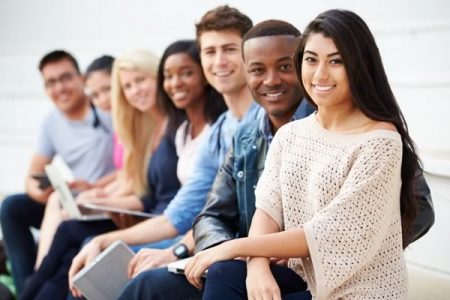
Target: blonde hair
{"x": 134, "y": 128}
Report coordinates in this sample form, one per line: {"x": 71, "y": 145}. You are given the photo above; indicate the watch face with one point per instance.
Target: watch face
{"x": 181, "y": 251}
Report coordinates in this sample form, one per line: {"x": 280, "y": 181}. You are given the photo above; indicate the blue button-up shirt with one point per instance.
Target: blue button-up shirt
{"x": 303, "y": 110}
{"x": 191, "y": 198}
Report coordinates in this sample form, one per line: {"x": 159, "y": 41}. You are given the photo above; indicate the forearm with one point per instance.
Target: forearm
{"x": 121, "y": 186}
{"x": 32, "y": 189}
{"x": 262, "y": 224}
{"x": 37, "y": 165}
{"x": 149, "y": 231}
{"x": 106, "y": 180}
{"x": 127, "y": 202}
{"x": 285, "y": 244}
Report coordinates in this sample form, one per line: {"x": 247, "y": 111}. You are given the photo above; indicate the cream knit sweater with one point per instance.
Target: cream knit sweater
{"x": 344, "y": 190}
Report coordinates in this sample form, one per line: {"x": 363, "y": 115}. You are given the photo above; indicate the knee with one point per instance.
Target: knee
{"x": 9, "y": 208}
{"x": 65, "y": 230}
{"x": 141, "y": 287}
{"x": 225, "y": 269}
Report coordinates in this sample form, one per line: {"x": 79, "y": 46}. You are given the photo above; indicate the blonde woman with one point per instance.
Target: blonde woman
{"x": 141, "y": 127}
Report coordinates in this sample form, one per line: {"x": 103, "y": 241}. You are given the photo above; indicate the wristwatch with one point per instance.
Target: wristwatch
{"x": 180, "y": 251}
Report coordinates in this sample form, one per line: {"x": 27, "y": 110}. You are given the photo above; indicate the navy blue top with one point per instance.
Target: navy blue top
{"x": 162, "y": 176}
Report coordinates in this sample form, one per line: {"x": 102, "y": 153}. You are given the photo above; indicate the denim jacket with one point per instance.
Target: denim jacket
{"x": 191, "y": 197}
{"x": 231, "y": 203}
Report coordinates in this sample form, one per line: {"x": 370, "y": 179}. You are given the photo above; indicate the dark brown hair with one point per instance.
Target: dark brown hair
{"x": 56, "y": 56}
{"x": 223, "y": 18}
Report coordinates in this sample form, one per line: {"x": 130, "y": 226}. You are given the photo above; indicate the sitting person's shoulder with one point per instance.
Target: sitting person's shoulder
{"x": 383, "y": 126}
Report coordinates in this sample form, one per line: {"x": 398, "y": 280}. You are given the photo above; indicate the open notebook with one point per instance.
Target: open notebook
{"x": 117, "y": 210}
{"x": 67, "y": 199}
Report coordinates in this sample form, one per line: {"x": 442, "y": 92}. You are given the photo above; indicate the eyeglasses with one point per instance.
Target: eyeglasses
{"x": 63, "y": 78}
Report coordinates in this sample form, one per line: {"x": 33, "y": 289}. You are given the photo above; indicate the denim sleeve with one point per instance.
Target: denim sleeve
{"x": 191, "y": 198}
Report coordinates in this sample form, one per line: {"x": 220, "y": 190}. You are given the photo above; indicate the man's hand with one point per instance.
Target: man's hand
{"x": 260, "y": 282}
{"x": 147, "y": 259}
{"x": 83, "y": 258}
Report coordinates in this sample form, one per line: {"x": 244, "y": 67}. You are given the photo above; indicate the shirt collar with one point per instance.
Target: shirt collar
{"x": 265, "y": 128}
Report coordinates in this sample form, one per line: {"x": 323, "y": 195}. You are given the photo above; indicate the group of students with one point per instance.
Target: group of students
{"x": 322, "y": 207}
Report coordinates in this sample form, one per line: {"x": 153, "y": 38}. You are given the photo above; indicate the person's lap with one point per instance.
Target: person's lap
{"x": 229, "y": 277}
{"x": 159, "y": 284}
{"x": 225, "y": 279}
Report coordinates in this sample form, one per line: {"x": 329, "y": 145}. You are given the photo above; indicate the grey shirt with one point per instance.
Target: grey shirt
{"x": 86, "y": 149}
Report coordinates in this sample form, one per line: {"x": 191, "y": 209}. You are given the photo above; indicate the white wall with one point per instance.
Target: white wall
{"x": 413, "y": 37}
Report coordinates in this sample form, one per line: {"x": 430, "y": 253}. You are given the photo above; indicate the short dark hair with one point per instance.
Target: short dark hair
{"x": 56, "y": 56}
{"x": 214, "y": 106}
{"x": 271, "y": 28}
{"x": 223, "y": 18}
{"x": 103, "y": 63}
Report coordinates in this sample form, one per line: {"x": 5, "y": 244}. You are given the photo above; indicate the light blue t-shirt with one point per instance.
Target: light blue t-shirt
{"x": 86, "y": 149}
{"x": 191, "y": 198}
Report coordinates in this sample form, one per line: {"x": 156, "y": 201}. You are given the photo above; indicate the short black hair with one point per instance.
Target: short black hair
{"x": 271, "y": 28}
{"x": 103, "y": 63}
{"x": 55, "y": 56}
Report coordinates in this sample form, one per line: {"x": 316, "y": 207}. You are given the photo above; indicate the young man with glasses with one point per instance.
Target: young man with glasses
{"x": 77, "y": 133}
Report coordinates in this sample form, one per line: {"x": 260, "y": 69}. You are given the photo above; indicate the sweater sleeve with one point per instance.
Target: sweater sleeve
{"x": 268, "y": 189}
{"x": 347, "y": 233}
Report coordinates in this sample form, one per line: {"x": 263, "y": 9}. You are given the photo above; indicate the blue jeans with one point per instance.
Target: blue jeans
{"x": 159, "y": 284}
{"x": 226, "y": 280}
{"x": 19, "y": 213}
